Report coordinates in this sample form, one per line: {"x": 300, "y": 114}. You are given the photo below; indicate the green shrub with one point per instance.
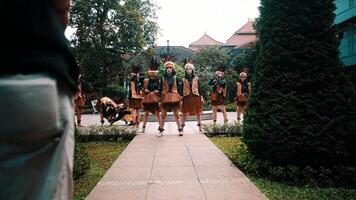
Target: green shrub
{"x": 114, "y": 91}
{"x": 106, "y": 133}
{"x": 228, "y": 129}
{"x": 81, "y": 160}
{"x": 81, "y": 157}
{"x": 300, "y": 110}
{"x": 230, "y": 107}
{"x": 334, "y": 176}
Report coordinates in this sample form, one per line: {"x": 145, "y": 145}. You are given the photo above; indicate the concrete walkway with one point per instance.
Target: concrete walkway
{"x": 171, "y": 167}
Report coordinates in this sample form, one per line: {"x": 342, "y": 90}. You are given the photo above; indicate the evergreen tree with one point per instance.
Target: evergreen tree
{"x": 300, "y": 109}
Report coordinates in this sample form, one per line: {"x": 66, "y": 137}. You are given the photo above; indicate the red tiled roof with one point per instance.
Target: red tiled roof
{"x": 244, "y": 37}
{"x": 241, "y": 40}
{"x": 247, "y": 28}
{"x": 205, "y": 40}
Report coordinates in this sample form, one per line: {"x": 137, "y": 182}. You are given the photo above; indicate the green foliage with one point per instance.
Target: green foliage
{"x": 231, "y": 77}
{"x": 81, "y": 158}
{"x": 237, "y": 151}
{"x": 81, "y": 161}
{"x": 114, "y": 91}
{"x": 205, "y": 74}
{"x": 179, "y": 71}
{"x": 228, "y": 129}
{"x": 281, "y": 191}
{"x": 230, "y": 107}
{"x": 211, "y": 56}
{"x": 101, "y": 156}
{"x": 300, "y": 109}
{"x": 106, "y": 133}
{"x": 106, "y": 29}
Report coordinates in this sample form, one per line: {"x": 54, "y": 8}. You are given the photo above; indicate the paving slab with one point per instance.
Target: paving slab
{"x": 172, "y": 167}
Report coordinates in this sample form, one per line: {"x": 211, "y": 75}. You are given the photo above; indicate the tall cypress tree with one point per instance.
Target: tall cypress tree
{"x": 300, "y": 109}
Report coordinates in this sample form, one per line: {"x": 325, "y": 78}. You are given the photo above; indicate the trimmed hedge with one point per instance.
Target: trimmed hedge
{"x": 228, "y": 129}
{"x": 81, "y": 160}
{"x": 81, "y": 157}
{"x": 334, "y": 176}
{"x": 106, "y": 133}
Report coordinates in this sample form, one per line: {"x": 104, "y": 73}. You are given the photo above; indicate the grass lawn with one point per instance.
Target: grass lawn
{"x": 102, "y": 155}
{"x": 281, "y": 191}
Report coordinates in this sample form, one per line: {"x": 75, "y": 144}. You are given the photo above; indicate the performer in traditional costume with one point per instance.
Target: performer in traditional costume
{"x": 219, "y": 92}
{"x": 170, "y": 97}
{"x": 107, "y": 108}
{"x": 135, "y": 95}
{"x": 151, "y": 93}
{"x": 242, "y": 95}
{"x": 79, "y": 102}
{"x": 192, "y": 100}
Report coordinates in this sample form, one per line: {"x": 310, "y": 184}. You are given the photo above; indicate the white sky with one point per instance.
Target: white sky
{"x": 185, "y": 21}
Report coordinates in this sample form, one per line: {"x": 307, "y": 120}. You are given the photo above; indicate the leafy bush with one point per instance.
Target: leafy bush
{"x": 114, "y": 91}
{"x": 179, "y": 71}
{"x": 81, "y": 158}
{"x": 104, "y": 133}
{"x": 228, "y": 129}
{"x": 335, "y": 176}
{"x": 230, "y": 107}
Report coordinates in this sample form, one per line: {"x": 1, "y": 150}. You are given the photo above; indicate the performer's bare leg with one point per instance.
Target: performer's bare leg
{"x": 223, "y": 110}
{"x": 79, "y": 117}
{"x": 162, "y": 121}
{"x": 145, "y": 119}
{"x": 158, "y": 117}
{"x": 215, "y": 110}
{"x": 199, "y": 121}
{"x": 184, "y": 118}
{"x": 138, "y": 117}
{"x": 176, "y": 116}
{"x": 101, "y": 118}
{"x": 134, "y": 115}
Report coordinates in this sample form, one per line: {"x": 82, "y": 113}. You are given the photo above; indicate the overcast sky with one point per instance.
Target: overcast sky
{"x": 185, "y": 21}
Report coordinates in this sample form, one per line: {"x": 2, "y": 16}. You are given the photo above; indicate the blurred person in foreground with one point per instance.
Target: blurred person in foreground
{"x": 38, "y": 79}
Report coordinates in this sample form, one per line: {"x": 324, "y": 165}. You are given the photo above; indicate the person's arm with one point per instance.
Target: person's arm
{"x": 133, "y": 89}
{"x": 238, "y": 94}
{"x": 62, "y": 8}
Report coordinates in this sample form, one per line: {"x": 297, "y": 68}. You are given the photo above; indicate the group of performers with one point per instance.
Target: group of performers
{"x": 169, "y": 93}
{"x": 160, "y": 95}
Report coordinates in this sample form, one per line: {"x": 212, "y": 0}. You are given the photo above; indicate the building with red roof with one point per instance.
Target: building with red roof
{"x": 245, "y": 37}
{"x": 203, "y": 42}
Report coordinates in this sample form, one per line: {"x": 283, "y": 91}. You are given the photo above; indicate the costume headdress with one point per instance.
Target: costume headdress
{"x": 188, "y": 63}
{"x": 168, "y": 60}
{"x": 154, "y": 64}
{"x": 135, "y": 69}
{"x": 243, "y": 74}
{"x": 220, "y": 69}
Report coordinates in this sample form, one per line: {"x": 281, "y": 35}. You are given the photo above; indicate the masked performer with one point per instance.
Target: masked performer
{"x": 151, "y": 93}
{"x": 79, "y": 102}
{"x": 170, "y": 96}
{"x": 243, "y": 92}
{"x": 135, "y": 95}
{"x": 218, "y": 95}
{"x": 192, "y": 100}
